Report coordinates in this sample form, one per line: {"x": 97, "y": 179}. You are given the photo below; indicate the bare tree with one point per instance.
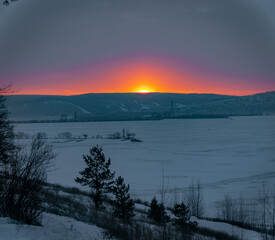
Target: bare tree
{"x": 242, "y": 214}
{"x": 25, "y": 181}
{"x": 195, "y": 199}
{"x": 227, "y": 208}
{"x": 65, "y": 135}
{"x": 263, "y": 199}
{"x": 273, "y": 212}
{"x": 164, "y": 188}
{"x": 163, "y": 192}
{"x": 242, "y": 210}
{"x": 175, "y": 197}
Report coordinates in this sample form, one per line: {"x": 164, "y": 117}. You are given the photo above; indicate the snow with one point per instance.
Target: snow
{"x": 141, "y": 207}
{"x": 54, "y": 227}
{"x": 228, "y": 156}
{"x": 229, "y": 229}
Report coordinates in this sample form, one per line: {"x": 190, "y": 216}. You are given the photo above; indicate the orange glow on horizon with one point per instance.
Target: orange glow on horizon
{"x": 135, "y": 75}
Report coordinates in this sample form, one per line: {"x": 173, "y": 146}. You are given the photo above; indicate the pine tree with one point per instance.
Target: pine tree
{"x": 7, "y": 147}
{"x": 97, "y": 174}
{"x": 181, "y": 213}
{"x": 157, "y": 211}
{"x": 182, "y": 219}
{"x": 123, "y": 204}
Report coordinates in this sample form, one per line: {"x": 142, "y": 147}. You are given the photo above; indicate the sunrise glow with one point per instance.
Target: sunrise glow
{"x": 143, "y": 91}
{"x": 138, "y": 74}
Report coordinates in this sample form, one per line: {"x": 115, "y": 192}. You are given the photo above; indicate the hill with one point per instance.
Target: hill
{"x": 135, "y": 106}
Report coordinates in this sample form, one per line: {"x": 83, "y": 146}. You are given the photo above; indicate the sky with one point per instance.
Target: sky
{"x": 69, "y": 47}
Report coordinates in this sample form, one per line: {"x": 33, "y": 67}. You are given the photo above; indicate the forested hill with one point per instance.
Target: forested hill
{"x": 131, "y": 106}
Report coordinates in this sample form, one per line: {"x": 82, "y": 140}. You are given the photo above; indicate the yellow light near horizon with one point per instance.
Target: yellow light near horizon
{"x": 143, "y": 91}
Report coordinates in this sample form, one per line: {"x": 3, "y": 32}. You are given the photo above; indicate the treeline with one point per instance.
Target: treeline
{"x": 123, "y": 135}
{"x": 257, "y": 215}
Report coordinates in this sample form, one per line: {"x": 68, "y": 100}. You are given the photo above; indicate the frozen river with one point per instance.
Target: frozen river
{"x": 228, "y": 156}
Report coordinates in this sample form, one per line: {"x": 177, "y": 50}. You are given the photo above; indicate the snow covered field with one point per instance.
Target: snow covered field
{"x": 228, "y": 156}
{"x": 54, "y": 227}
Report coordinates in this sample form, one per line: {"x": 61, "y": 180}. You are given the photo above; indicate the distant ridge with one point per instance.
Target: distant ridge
{"x": 135, "y": 106}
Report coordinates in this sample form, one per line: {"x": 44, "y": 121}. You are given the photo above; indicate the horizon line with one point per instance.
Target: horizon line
{"x": 140, "y": 93}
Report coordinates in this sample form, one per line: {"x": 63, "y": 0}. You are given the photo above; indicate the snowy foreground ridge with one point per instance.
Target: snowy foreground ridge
{"x": 64, "y": 228}
{"x": 54, "y": 227}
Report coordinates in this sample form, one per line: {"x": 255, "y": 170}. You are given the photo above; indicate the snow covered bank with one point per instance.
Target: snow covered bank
{"x": 229, "y": 229}
{"x": 54, "y": 227}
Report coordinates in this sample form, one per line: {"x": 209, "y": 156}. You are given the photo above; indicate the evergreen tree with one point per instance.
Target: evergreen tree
{"x": 7, "y": 147}
{"x": 97, "y": 174}
{"x": 157, "y": 211}
{"x": 182, "y": 219}
{"x": 123, "y": 204}
{"x": 181, "y": 213}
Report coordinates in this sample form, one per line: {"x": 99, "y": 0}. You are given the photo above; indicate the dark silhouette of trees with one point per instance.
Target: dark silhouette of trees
{"x": 182, "y": 219}
{"x": 7, "y": 146}
{"x": 25, "y": 182}
{"x": 22, "y": 173}
{"x": 157, "y": 211}
{"x": 97, "y": 174}
{"x": 195, "y": 199}
{"x": 123, "y": 204}
{"x": 228, "y": 208}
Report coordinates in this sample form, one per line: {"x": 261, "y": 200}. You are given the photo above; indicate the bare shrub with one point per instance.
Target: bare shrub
{"x": 24, "y": 182}
{"x": 116, "y": 135}
{"x": 41, "y": 135}
{"x": 195, "y": 200}
{"x": 263, "y": 199}
{"x": 227, "y": 208}
{"x": 65, "y": 135}
{"x": 22, "y": 135}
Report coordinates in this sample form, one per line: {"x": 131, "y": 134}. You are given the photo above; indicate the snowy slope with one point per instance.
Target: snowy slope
{"x": 229, "y": 229}
{"x": 54, "y": 227}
